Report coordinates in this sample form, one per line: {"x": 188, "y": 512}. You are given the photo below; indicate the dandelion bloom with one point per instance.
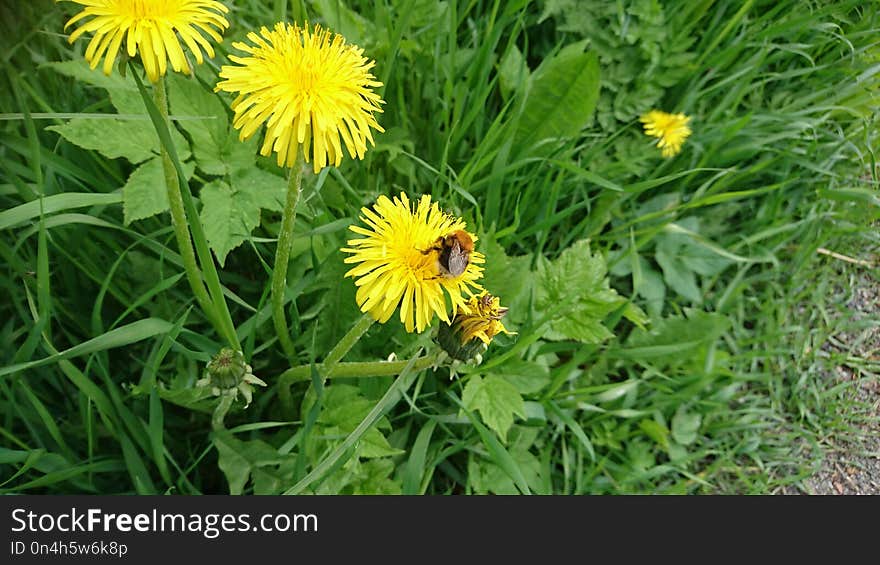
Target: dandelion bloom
{"x": 473, "y": 328}
{"x": 398, "y": 263}
{"x": 670, "y": 129}
{"x": 310, "y": 88}
{"x": 481, "y": 320}
{"x": 152, "y": 29}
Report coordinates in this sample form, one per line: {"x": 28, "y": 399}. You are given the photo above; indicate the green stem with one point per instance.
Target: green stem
{"x": 326, "y": 369}
{"x": 220, "y": 412}
{"x": 346, "y": 343}
{"x": 178, "y": 217}
{"x": 360, "y": 369}
{"x": 220, "y": 318}
{"x": 282, "y": 256}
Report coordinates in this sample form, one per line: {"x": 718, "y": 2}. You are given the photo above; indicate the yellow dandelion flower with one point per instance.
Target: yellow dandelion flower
{"x": 482, "y": 319}
{"x": 310, "y": 88}
{"x": 473, "y": 328}
{"x": 400, "y": 262}
{"x": 671, "y": 129}
{"x": 152, "y": 29}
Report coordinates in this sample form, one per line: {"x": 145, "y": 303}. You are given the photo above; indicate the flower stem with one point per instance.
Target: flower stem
{"x": 346, "y": 343}
{"x": 182, "y": 205}
{"x": 178, "y": 217}
{"x": 331, "y": 362}
{"x": 220, "y": 412}
{"x": 360, "y": 369}
{"x": 282, "y": 256}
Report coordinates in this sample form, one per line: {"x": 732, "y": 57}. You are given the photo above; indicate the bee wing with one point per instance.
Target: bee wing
{"x": 458, "y": 260}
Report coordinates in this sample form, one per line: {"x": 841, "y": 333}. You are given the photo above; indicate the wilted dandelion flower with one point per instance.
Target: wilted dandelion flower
{"x": 228, "y": 374}
{"x": 310, "y": 88}
{"x": 671, "y": 129}
{"x": 400, "y": 262}
{"x": 152, "y": 29}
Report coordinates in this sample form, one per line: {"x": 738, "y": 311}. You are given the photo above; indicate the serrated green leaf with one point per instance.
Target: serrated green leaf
{"x": 134, "y": 140}
{"x": 202, "y": 116}
{"x": 228, "y": 217}
{"x": 128, "y": 101}
{"x": 144, "y": 193}
{"x": 269, "y": 191}
{"x": 237, "y": 459}
{"x": 682, "y": 258}
{"x": 528, "y": 377}
{"x": 236, "y": 468}
{"x": 496, "y": 400}
{"x": 561, "y": 98}
{"x": 575, "y": 291}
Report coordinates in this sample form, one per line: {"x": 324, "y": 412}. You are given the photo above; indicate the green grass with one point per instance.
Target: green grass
{"x": 724, "y": 390}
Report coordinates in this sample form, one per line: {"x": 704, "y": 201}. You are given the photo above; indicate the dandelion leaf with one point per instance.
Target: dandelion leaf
{"x": 228, "y": 216}
{"x": 561, "y": 98}
{"x": 575, "y": 290}
{"x": 144, "y": 194}
{"x": 497, "y": 401}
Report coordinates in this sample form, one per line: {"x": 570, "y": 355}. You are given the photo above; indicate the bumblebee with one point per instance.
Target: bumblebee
{"x": 453, "y": 253}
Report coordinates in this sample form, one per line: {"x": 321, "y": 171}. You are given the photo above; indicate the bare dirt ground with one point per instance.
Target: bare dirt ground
{"x": 851, "y": 465}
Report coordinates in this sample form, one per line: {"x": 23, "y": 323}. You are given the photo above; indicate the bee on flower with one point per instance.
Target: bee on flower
{"x": 413, "y": 257}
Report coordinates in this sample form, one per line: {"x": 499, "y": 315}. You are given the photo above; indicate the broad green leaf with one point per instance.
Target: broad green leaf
{"x": 228, "y": 217}
{"x": 202, "y": 116}
{"x": 513, "y": 72}
{"x": 128, "y": 101}
{"x": 134, "y": 140}
{"x": 496, "y": 400}
{"x": 656, "y": 431}
{"x": 682, "y": 258}
{"x": 486, "y": 476}
{"x": 685, "y": 426}
{"x": 528, "y": 377}
{"x": 145, "y": 194}
{"x": 375, "y": 478}
{"x": 561, "y": 99}
{"x": 575, "y": 293}
{"x": 267, "y": 190}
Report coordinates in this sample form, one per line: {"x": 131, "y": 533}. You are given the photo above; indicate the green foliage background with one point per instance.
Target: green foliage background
{"x": 670, "y": 313}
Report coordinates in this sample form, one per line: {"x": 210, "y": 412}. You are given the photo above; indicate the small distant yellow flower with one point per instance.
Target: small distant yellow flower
{"x": 399, "y": 263}
{"x": 310, "y": 88}
{"x": 152, "y": 29}
{"x": 671, "y": 129}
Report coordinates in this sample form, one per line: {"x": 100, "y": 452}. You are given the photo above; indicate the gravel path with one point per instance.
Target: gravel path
{"x": 852, "y": 458}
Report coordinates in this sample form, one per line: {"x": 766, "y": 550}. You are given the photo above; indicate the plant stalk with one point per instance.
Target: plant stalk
{"x": 178, "y": 217}
{"x": 282, "y": 256}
